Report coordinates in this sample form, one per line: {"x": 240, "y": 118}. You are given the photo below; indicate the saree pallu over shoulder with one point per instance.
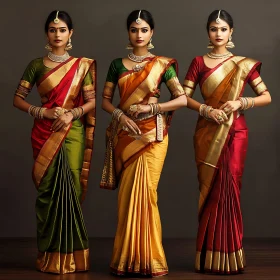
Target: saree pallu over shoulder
{"x": 223, "y": 84}
{"x": 135, "y": 88}
{"x": 62, "y": 87}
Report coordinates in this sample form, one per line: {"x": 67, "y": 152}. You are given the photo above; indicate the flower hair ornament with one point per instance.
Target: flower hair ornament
{"x": 139, "y": 20}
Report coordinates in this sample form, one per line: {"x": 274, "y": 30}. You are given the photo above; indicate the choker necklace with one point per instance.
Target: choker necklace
{"x": 219, "y": 56}
{"x": 138, "y": 58}
{"x": 58, "y": 58}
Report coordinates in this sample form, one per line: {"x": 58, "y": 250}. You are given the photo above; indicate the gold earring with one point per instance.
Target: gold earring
{"x": 230, "y": 44}
{"x": 129, "y": 46}
{"x": 69, "y": 45}
{"x": 150, "y": 45}
{"x": 210, "y": 45}
{"x": 48, "y": 47}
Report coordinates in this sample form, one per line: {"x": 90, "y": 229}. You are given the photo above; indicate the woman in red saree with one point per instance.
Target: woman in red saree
{"x": 220, "y": 143}
{"x": 62, "y": 141}
{"x": 137, "y": 146}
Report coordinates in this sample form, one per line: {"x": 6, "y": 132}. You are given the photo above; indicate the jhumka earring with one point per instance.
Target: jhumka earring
{"x": 129, "y": 46}
{"x": 48, "y": 47}
{"x": 69, "y": 46}
{"x": 150, "y": 45}
{"x": 230, "y": 44}
{"x": 210, "y": 45}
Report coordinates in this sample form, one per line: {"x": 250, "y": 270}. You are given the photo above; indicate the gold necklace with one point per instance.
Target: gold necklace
{"x": 219, "y": 56}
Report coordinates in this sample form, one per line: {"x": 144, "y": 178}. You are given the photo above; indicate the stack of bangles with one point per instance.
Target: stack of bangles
{"x": 76, "y": 112}
{"x": 36, "y": 112}
{"x": 155, "y": 108}
{"x": 117, "y": 114}
{"x": 245, "y": 103}
{"x": 204, "y": 111}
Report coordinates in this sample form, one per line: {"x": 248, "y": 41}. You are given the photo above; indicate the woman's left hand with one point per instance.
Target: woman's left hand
{"x": 62, "y": 122}
{"x": 230, "y": 106}
{"x": 136, "y": 109}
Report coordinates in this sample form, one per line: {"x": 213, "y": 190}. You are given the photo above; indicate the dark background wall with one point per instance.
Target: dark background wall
{"x": 100, "y": 33}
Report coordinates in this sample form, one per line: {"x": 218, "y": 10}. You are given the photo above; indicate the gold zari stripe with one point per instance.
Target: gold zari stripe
{"x": 25, "y": 84}
{"x": 256, "y": 81}
{"x": 188, "y": 91}
{"x": 188, "y": 83}
{"x": 221, "y": 262}
{"x": 108, "y": 90}
{"x": 175, "y": 87}
{"x": 260, "y": 88}
{"x": 61, "y": 263}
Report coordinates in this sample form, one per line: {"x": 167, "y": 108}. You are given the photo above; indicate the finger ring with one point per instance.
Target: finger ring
{"x": 133, "y": 108}
{"x": 60, "y": 112}
{"x": 219, "y": 118}
{"x": 226, "y": 109}
{"x": 125, "y": 128}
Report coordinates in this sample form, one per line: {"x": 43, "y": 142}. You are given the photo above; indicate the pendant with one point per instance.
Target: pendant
{"x": 137, "y": 68}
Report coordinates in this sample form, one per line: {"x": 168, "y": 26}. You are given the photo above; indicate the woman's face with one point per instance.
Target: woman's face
{"x": 219, "y": 33}
{"x": 58, "y": 34}
{"x": 140, "y": 34}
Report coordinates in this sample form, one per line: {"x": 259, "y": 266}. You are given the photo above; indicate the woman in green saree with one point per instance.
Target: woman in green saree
{"x": 62, "y": 142}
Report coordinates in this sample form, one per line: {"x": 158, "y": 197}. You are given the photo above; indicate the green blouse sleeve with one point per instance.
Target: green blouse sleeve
{"x": 87, "y": 80}
{"x": 28, "y": 79}
{"x": 29, "y": 74}
{"x": 169, "y": 74}
{"x": 113, "y": 74}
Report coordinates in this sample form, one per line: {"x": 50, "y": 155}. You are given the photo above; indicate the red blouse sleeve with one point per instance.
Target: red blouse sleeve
{"x": 192, "y": 77}
{"x": 256, "y": 82}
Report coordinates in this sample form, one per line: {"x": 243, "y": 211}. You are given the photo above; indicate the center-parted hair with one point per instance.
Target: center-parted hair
{"x": 64, "y": 16}
{"x": 145, "y": 15}
{"x": 224, "y": 15}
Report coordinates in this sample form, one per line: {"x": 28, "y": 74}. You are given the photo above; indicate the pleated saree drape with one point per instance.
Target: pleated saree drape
{"x": 60, "y": 172}
{"x": 220, "y": 155}
{"x": 138, "y": 164}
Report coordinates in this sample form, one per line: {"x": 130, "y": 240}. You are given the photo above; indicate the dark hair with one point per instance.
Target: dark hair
{"x": 61, "y": 15}
{"x": 224, "y": 15}
{"x": 145, "y": 15}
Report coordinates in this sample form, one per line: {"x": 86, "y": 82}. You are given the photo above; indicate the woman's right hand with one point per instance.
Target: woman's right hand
{"x": 219, "y": 116}
{"x": 129, "y": 125}
{"x": 52, "y": 113}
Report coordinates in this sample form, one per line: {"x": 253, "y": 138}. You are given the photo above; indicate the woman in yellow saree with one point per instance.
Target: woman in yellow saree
{"x": 62, "y": 142}
{"x": 137, "y": 146}
{"x": 220, "y": 143}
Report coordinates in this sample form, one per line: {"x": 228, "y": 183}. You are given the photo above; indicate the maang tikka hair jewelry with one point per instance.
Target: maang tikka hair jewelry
{"x": 56, "y": 20}
{"x": 138, "y": 20}
{"x": 218, "y": 19}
